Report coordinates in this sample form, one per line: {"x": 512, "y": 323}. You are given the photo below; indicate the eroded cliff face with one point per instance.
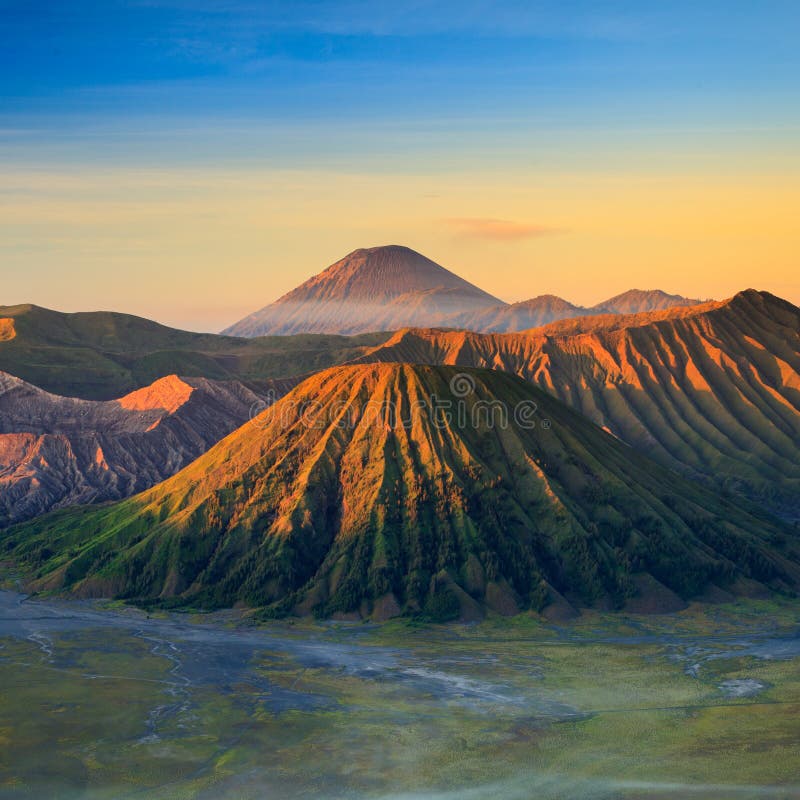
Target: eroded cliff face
{"x": 712, "y": 390}
{"x": 59, "y": 451}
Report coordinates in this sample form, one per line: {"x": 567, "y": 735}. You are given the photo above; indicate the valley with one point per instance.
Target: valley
{"x": 187, "y": 706}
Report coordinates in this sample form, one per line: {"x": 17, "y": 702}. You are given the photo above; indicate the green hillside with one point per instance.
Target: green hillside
{"x": 102, "y": 355}
{"x": 351, "y": 496}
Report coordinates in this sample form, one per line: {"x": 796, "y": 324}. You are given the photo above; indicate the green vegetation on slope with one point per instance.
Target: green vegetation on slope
{"x": 349, "y": 496}
{"x": 104, "y": 355}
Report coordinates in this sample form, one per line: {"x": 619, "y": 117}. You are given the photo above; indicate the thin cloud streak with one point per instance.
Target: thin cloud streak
{"x": 501, "y": 230}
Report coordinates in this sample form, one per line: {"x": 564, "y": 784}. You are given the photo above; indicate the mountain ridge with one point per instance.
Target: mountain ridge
{"x": 515, "y": 316}
{"x": 635, "y": 301}
{"x": 547, "y": 308}
{"x": 712, "y": 390}
{"x": 102, "y": 355}
{"x": 393, "y": 286}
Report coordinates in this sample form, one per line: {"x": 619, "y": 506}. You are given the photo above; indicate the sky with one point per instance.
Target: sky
{"x": 192, "y": 161}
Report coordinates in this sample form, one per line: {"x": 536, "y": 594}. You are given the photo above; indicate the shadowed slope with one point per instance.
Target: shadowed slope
{"x": 102, "y": 355}
{"x": 378, "y": 288}
{"x": 712, "y": 389}
{"x": 353, "y": 495}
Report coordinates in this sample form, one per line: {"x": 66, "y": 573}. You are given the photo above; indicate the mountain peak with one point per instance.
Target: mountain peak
{"x": 526, "y": 314}
{"x": 635, "y": 301}
{"x": 375, "y": 288}
{"x": 390, "y": 250}
{"x": 57, "y": 451}
{"x": 738, "y": 360}
{"x": 376, "y": 274}
{"x": 168, "y": 393}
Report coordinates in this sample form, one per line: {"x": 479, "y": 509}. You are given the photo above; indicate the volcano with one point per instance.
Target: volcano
{"x": 385, "y": 489}
{"x": 373, "y": 289}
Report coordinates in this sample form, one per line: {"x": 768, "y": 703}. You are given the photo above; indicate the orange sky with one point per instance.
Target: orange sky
{"x": 201, "y": 248}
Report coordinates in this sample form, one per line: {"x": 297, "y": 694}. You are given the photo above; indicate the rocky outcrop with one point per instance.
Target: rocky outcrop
{"x": 58, "y": 451}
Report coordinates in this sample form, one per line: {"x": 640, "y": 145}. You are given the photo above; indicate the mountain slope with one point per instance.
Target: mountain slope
{"x": 377, "y": 288}
{"x": 713, "y": 390}
{"x": 516, "y": 316}
{"x": 363, "y": 491}
{"x": 635, "y": 301}
{"x": 102, "y": 355}
{"x": 58, "y": 451}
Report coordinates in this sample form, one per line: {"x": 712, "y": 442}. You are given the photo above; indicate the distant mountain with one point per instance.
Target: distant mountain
{"x": 548, "y": 308}
{"x": 635, "y": 301}
{"x": 516, "y": 316}
{"x": 102, "y": 355}
{"x": 378, "y": 288}
{"x": 712, "y": 389}
{"x": 57, "y": 451}
{"x": 358, "y": 493}
{"x": 392, "y": 287}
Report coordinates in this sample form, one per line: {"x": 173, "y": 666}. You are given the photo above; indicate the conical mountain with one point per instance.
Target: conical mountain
{"x": 382, "y": 489}
{"x": 377, "y": 288}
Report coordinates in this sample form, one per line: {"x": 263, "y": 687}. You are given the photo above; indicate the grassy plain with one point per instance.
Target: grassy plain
{"x": 607, "y": 707}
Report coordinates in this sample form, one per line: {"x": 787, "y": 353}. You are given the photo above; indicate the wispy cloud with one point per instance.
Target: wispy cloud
{"x": 514, "y": 18}
{"x": 496, "y": 229}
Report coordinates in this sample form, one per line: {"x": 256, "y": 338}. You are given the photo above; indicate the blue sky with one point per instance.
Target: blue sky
{"x": 556, "y": 63}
